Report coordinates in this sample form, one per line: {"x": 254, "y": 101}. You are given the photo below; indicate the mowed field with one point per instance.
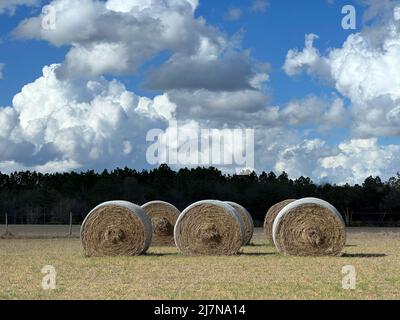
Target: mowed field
{"x": 259, "y": 272}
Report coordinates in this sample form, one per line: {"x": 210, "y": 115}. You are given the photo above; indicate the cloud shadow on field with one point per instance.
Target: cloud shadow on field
{"x": 364, "y": 255}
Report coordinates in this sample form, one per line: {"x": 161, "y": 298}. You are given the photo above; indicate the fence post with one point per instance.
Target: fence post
{"x": 70, "y": 223}
{"x": 6, "y": 223}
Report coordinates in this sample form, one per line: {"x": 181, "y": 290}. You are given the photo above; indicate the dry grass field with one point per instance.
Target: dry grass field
{"x": 259, "y": 272}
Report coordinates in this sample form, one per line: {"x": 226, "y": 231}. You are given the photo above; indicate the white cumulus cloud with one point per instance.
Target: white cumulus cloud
{"x": 357, "y": 159}
{"x": 9, "y": 6}
{"x": 73, "y": 118}
{"x": 365, "y": 70}
{"x": 259, "y": 6}
{"x": 95, "y": 123}
{"x": 350, "y": 162}
{"x": 233, "y": 14}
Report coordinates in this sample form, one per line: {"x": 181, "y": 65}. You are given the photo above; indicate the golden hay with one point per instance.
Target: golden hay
{"x": 247, "y": 221}
{"x": 309, "y": 227}
{"x": 271, "y": 215}
{"x": 211, "y": 228}
{"x": 116, "y": 228}
{"x": 163, "y": 217}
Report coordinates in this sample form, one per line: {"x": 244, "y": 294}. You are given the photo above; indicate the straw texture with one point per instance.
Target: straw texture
{"x": 247, "y": 221}
{"x": 309, "y": 227}
{"x": 116, "y": 228}
{"x": 211, "y": 228}
{"x": 163, "y": 217}
{"x": 271, "y": 215}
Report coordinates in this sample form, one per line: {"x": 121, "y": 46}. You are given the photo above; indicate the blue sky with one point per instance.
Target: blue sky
{"x": 268, "y": 34}
{"x": 311, "y": 117}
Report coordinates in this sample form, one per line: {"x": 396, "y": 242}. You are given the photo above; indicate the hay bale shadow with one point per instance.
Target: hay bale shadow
{"x": 257, "y": 254}
{"x": 364, "y": 255}
{"x": 154, "y": 254}
{"x": 259, "y": 245}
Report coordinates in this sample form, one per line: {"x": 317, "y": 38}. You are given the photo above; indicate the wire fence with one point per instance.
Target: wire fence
{"x": 356, "y": 219}
{"x": 43, "y": 218}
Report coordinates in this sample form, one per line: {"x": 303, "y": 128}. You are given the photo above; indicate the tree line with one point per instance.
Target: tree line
{"x": 36, "y": 198}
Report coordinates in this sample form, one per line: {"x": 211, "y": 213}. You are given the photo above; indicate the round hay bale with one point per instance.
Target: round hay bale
{"x": 163, "y": 217}
{"x": 247, "y": 221}
{"x": 309, "y": 227}
{"x": 271, "y": 215}
{"x": 209, "y": 228}
{"x": 116, "y": 228}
